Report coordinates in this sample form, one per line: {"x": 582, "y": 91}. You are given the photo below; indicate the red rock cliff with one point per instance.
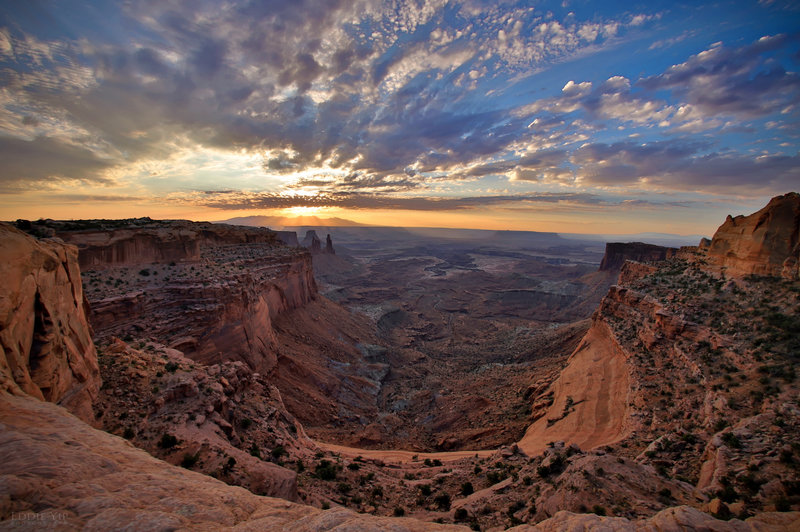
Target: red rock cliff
{"x": 618, "y": 252}
{"x": 215, "y": 302}
{"x": 764, "y": 243}
{"x": 47, "y": 343}
{"x": 157, "y": 241}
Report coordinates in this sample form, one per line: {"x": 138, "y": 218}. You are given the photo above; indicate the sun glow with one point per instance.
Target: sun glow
{"x": 302, "y": 211}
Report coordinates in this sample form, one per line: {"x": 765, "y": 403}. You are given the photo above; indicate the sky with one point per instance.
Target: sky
{"x": 571, "y": 116}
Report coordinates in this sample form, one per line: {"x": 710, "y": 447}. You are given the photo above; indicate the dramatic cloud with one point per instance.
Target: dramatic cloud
{"x": 354, "y": 200}
{"x": 675, "y": 165}
{"x": 384, "y": 100}
{"x": 743, "y": 81}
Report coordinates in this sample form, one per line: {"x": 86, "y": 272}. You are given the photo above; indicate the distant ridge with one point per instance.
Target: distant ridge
{"x": 286, "y": 221}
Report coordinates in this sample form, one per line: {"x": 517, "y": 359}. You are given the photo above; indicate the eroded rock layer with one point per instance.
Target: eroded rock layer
{"x": 766, "y": 242}
{"x": 618, "y": 252}
{"x": 47, "y": 343}
{"x": 211, "y": 291}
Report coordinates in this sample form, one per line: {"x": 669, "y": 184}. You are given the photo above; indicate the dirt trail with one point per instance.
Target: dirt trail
{"x": 596, "y": 380}
{"x": 401, "y": 456}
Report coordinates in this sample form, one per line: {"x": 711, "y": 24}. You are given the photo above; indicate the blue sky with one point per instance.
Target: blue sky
{"x": 576, "y": 116}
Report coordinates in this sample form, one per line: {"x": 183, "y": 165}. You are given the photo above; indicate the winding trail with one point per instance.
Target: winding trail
{"x": 594, "y": 383}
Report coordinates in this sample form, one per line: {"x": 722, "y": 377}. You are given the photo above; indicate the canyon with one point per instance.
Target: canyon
{"x": 428, "y": 384}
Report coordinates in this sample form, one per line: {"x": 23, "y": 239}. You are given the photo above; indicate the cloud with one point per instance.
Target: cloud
{"x": 39, "y": 162}
{"x": 374, "y": 97}
{"x": 676, "y": 165}
{"x": 740, "y": 81}
{"x": 358, "y": 200}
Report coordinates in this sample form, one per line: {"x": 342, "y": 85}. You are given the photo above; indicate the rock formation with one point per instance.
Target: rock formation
{"x": 58, "y": 472}
{"x": 289, "y": 238}
{"x": 48, "y": 351}
{"x": 216, "y": 301}
{"x": 618, "y": 252}
{"x": 766, "y": 242}
{"x": 103, "y": 243}
{"x": 312, "y": 242}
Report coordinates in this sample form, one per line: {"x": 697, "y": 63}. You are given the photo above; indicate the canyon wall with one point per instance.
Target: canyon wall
{"x": 766, "y": 242}
{"x": 618, "y": 252}
{"x": 155, "y": 241}
{"x": 48, "y": 351}
{"x": 210, "y": 290}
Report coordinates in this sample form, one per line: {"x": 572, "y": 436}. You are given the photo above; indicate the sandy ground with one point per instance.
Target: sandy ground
{"x": 401, "y": 456}
{"x": 594, "y": 385}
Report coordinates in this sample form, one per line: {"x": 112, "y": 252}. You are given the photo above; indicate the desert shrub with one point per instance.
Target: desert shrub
{"x": 171, "y": 366}
{"x": 325, "y": 470}
{"x": 144, "y": 273}
{"x": 167, "y": 441}
{"x": 467, "y": 489}
{"x": 442, "y": 501}
{"x": 399, "y": 511}
{"x": 731, "y": 440}
{"x": 599, "y": 509}
{"x": 496, "y": 476}
{"x": 128, "y": 433}
{"x": 353, "y": 466}
{"x": 278, "y": 451}
{"x": 461, "y": 514}
{"x": 425, "y": 489}
{"x": 782, "y": 504}
{"x": 189, "y": 460}
{"x": 245, "y": 423}
{"x": 255, "y": 451}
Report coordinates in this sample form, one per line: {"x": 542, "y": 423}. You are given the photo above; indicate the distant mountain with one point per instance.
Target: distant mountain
{"x": 285, "y": 221}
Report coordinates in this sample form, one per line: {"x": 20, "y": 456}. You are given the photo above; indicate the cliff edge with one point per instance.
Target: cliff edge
{"x": 766, "y": 242}
{"x": 48, "y": 351}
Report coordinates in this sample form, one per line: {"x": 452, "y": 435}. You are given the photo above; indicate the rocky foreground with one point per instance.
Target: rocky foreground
{"x": 678, "y": 409}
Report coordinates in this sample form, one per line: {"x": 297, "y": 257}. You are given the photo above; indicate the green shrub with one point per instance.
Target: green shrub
{"x": 325, "y": 470}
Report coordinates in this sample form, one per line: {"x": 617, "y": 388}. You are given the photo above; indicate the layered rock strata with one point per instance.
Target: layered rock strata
{"x": 216, "y": 301}
{"x": 618, "y": 252}
{"x": 145, "y": 241}
{"x": 48, "y": 351}
{"x": 766, "y": 242}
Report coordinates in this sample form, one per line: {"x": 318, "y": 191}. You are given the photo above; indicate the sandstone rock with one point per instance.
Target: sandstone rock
{"x": 618, "y": 252}
{"x": 58, "y": 467}
{"x": 678, "y": 518}
{"x": 154, "y": 241}
{"x": 47, "y": 345}
{"x": 312, "y": 242}
{"x": 766, "y": 242}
